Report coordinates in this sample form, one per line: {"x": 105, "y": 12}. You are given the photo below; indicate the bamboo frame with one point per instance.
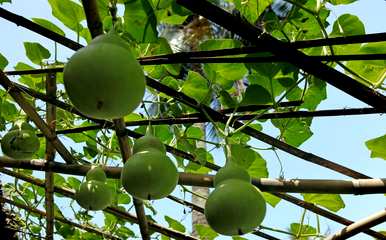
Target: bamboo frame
{"x": 26, "y": 23}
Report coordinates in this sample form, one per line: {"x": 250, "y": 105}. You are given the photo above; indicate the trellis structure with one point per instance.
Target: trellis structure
{"x": 263, "y": 42}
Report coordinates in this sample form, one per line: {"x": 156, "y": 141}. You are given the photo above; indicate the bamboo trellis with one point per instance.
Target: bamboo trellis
{"x": 362, "y": 184}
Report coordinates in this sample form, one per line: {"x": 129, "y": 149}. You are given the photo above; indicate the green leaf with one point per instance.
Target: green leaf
{"x": 69, "y": 13}
{"x": 123, "y": 198}
{"x": 316, "y": 92}
{"x": 196, "y": 86}
{"x": 339, "y": 2}
{"x": 294, "y": 131}
{"x": 249, "y": 159}
{"x": 374, "y": 71}
{"x": 36, "y": 52}
{"x": 252, "y": 9}
{"x": 5, "y": 1}
{"x": 49, "y": 25}
{"x": 174, "y": 224}
{"x": 304, "y": 229}
{"x": 141, "y": 21}
{"x": 256, "y": 94}
{"x": 377, "y": 146}
{"x": 3, "y": 62}
{"x": 347, "y": 25}
{"x": 205, "y": 232}
{"x": 223, "y": 73}
{"x": 332, "y": 202}
{"x": 271, "y": 199}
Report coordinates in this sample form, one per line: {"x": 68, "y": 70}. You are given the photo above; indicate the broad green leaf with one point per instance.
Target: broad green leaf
{"x": 223, "y": 73}
{"x": 377, "y": 146}
{"x": 49, "y": 25}
{"x": 338, "y": 2}
{"x": 249, "y": 159}
{"x": 125, "y": 233}
{"x": 300, "y": 230}
{"x": 205, "y": 232}
{"x": 256, "y": 94}
{"x": 238, "y": 238}
{"x": 332, "y": 202}
{"x": 374, "y": 71}
{"x": 140, "y": 21}
{"x": 3, "y": 62}
{"x": 173, "y": 19}
{"x": 36, "y": 52}
{"x": 315, "y": 93}
{"x": 32, "y": 81}
{"x": 69, "y": 13}
{"x": 196, "y": 86}
{"x": 347, "y": 25}
{"x": 5, "y": 1}
{"x": 252, "y": 9}
{"x": 271, "y": 199}
{"x": 123, "y": 198}
{"x": 174, "y": 224}
{"x": 294, "y": 131}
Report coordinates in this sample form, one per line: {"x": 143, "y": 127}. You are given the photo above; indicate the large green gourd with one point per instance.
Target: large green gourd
{"x": 149, "y": 174}
{"x": 20, "y": 144}
{"x": 104, "y": 80}
{"x": 94, "y": 195}
{"x": 235, "y": 207}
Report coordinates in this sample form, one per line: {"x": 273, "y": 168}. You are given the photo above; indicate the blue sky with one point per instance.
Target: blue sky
{"x": 340, "y": 139}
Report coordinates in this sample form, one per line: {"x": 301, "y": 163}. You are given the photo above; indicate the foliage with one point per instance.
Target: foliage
{"x": 144, "y": 24}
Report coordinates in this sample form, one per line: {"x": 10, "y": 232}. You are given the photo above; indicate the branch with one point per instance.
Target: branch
{"x": 113, "y": 210}
{"x": 50, "y": 157}
{"x": 359, "y": 226}
{"x": 60, "y": 219}
{"x": 34, "y": 116}
{"x": 94, "y": 22}
{"x": 284, "y": 50}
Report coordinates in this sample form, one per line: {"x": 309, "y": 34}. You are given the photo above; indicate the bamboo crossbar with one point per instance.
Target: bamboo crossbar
{"x": 323, "y": 186}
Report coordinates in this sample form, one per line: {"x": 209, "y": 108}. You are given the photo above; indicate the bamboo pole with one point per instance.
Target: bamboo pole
{"x": 50, "y": 156}
{"x": 359, "y": 226}
{"x": 34, "y": 116}
{"x": 113, "y": 210}
{"x": 322, "y": 186}
{"x": 60, "y": 219}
